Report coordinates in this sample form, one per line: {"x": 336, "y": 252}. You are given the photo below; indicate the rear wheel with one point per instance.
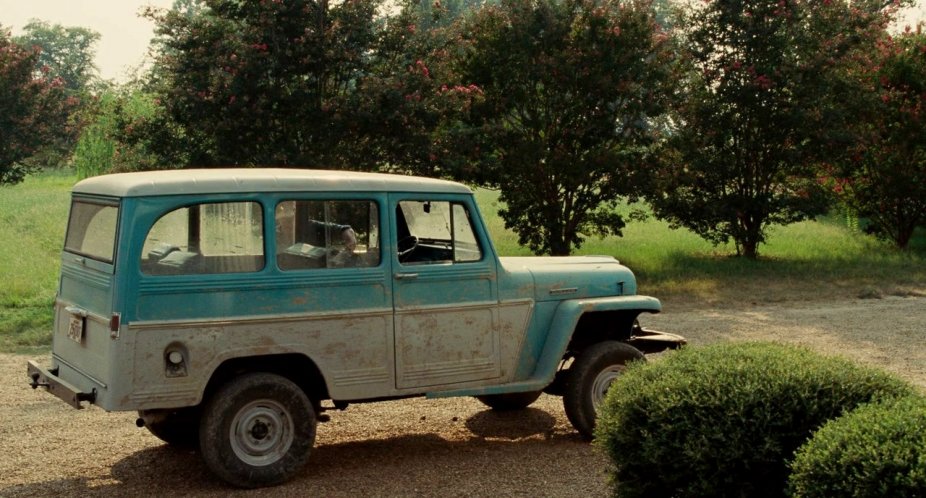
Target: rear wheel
{"x": 257, "y": 430}
{"x": 509, "y": 401}
{"x": 588, "y": 379}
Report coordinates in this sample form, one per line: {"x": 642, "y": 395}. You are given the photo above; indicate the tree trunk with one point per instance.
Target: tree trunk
{"x": 749, "y": 236}
{"x": 559, "y": 247}
{"x": 750, "y": 249}
{"x": 904, "y": 234}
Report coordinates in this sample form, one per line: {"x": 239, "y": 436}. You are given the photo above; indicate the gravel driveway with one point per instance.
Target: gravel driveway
{"x": 417, "y": 447}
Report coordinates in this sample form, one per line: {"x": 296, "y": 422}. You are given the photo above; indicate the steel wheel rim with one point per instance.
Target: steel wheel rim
{"x": 261, "y": 433}
{"x": 603, "y": 382}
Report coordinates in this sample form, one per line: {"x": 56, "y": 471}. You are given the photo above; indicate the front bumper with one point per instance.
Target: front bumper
{"x": 652, "y": 341}
{"x": 40, "y": 377}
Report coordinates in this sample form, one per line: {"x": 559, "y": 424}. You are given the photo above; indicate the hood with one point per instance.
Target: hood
{"x": 571, "y": 277}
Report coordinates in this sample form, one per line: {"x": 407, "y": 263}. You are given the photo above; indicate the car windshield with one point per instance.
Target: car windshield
{"x": 92, "y": 229}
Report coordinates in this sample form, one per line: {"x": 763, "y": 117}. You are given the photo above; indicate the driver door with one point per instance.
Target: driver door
{"x": 444, "y": 295}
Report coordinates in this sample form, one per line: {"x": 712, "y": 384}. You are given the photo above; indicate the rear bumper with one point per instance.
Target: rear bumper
{"x": 48, "y": 379}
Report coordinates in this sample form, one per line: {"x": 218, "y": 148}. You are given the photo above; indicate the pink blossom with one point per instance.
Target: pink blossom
{"x": 763, "y": 82}
{"x": 423, "y": 68}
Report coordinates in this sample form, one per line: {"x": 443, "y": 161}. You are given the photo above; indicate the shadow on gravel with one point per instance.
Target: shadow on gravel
{"x": 157, "y": 471}
{"x": 501, "y": 445}
{"x": 515, "y": 424}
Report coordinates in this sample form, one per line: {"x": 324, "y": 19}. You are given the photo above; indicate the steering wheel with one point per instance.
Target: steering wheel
{"x": 411, "y": 242}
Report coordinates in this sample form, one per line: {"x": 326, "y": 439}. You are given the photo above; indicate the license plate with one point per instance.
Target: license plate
{"x": 76, "y": 328}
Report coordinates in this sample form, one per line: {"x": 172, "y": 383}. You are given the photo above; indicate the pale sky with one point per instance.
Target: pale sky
{"x": 125, "y": 35}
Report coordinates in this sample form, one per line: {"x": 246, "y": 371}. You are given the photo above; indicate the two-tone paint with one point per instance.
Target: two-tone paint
{"x": 491, "y": 326}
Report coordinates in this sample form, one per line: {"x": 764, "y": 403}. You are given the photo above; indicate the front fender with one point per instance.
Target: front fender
{"x": 566, "y": 318}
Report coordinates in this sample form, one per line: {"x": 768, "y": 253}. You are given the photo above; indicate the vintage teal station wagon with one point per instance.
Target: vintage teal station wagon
{"x": 233, "y": 308}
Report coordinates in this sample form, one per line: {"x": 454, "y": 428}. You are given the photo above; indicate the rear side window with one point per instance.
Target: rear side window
{"x": 226, "y": 237}
{"x": 327, "y": 234}
{"x": 92, "y": 230}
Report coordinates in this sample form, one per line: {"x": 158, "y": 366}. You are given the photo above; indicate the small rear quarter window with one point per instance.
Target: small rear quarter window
{"x": 92, "y": 230}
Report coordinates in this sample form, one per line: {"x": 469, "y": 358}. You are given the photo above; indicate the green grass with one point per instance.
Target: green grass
{"x": 807, "y": 260}
{"x": 804, "y": 261}
{"x": 33, "y": 217}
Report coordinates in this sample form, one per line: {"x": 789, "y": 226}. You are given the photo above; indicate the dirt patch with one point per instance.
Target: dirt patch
{"x": 887, "y": 332}
{"x": 452, "y": 447}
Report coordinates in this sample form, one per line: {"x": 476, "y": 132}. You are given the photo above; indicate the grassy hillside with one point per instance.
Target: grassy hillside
{"x": 33, "y": 217}
{"x": 805, "y": 261}
{"x": 808, "y": 260}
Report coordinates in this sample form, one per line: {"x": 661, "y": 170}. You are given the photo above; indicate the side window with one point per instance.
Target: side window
{"x": 435, "y": 232}
{"x": 465, "y": 246}
{"x": 223, "y": 237}
{"x": 327, "y": 234}
{"x": 92, "y": 230}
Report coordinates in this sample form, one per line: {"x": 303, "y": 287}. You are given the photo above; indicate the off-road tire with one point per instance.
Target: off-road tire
{"x": 588, "y": 380}
{"x": 509, "y": 401}
{"x": 175, "y": 427}
{"x": 257, "y": 430}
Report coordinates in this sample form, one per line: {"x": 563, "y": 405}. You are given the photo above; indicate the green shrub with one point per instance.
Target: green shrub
{"x": 878, "y": 450}
{"x": 723, "y": 420}
{"x": 94, "y": 152}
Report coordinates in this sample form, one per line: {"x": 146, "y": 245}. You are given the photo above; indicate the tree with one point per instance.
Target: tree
{"x": 762, "y": 107}
{"x": 113, "y": 110}
{"x": 64, "y": 52}
{"x": 33, "y": 110}
{"x": 256, "y": 83}
{"x": 443, "y": 13}
{"x": 400, "y": 114}
{"x": 65, "y": 55}
{"x": 563, "y": 125}
{"x": 883, "y": 176}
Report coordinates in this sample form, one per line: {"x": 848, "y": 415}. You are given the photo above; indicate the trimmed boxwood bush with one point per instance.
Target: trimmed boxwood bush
{"x": 724, "y": 420}
{"x": 878, "y": 450}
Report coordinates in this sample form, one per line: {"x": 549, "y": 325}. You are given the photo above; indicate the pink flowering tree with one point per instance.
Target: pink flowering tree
{"x": 764, "y": 103}
{"x": 65, "y": 55}
{"x": 262, "y": 82}
{"x": 34, "y": 109}
{"x": 564, "y": 100}
{"x": 883, "y": 175}
{"x": 412, "y": 97}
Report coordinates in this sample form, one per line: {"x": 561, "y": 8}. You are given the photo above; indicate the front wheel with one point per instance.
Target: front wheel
{"x": 257, "y": 430}
{"x": 589, "y": 378}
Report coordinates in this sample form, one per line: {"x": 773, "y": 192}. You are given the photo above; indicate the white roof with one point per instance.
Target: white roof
{"x": 228, "y": 180}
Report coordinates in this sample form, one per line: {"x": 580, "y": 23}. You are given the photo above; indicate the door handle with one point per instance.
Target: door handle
{"x": 406, "y": 276}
